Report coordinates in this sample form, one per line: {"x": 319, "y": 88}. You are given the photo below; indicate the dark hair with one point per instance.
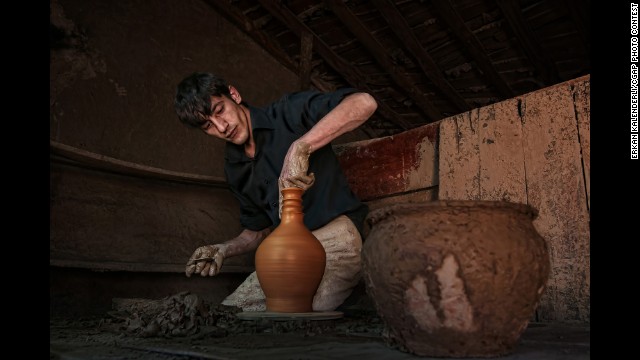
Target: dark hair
{"x": 193, "y": 97}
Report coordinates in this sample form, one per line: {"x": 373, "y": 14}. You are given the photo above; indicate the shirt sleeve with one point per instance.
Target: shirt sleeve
{"x": 303, "y": 110}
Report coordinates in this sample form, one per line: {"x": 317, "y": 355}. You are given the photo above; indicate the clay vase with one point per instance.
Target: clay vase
{"x": 455, "y": 278}
{"x": 290, "y": 262}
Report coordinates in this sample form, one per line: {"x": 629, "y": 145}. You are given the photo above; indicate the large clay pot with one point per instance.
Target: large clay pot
{"x": 455, "y": 278}
{"x": 290, "y": 262}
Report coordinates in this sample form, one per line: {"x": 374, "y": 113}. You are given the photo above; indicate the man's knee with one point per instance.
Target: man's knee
{"x": 248, "y": 296}
{"x": 343, "y": 245}
{"x": 339, "y": 236}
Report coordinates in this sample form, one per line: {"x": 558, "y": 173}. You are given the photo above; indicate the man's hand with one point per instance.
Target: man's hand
{"x": 294, "y": 169}
{"x": 206, "y": 260}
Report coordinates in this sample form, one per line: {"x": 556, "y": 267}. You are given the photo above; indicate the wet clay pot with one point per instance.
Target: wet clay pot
{"x": 455, "y": 278}
{"x": 290, "y": 262}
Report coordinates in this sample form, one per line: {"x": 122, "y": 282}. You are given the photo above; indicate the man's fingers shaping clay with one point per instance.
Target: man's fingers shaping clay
{"x": 216, "y": 265}
{"x": 190, "y": 269}
{"x": 205, "y": 268}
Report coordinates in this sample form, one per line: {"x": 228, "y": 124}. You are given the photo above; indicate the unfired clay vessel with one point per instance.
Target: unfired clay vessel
{"x": 290, "y": 262}
{"x": 455, "y": 278}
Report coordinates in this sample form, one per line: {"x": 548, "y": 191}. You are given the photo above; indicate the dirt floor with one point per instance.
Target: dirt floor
{"x": 183, "y": 326}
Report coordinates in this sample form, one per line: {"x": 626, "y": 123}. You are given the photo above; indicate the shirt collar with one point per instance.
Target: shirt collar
{"x": 259, "y": 120}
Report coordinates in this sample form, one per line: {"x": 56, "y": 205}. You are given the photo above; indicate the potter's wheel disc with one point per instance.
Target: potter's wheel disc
{"x": 316, "y": 315}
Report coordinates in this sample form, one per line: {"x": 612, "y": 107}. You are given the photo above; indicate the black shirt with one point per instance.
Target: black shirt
{"x": 254, "y": 182}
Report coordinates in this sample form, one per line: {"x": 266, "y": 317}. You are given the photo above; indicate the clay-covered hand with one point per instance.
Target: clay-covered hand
{"x": 206, "y": 260}
{"x": 294, "y": 169}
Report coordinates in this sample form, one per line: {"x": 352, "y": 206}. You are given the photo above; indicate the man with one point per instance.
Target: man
{"x": 287, "y": 143}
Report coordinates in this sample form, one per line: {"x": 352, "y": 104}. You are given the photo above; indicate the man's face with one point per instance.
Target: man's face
{"x": 228, "y": 121}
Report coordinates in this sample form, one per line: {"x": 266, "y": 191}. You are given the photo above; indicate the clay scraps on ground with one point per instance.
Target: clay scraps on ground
{"x": 186, "y": 314}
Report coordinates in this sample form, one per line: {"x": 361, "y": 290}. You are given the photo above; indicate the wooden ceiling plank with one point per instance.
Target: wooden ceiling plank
{"x": 381, "y": 55}
{"x": 579, "y": 15}
{"x": 452, "y": 18}
{"x": 545, "y": 67}
{"x": 404, "y": 32}
{"x": 352, "y": 75}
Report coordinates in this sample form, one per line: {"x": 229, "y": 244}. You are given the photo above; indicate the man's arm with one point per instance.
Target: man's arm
{"x": 207, "y": 260}
{"x": 350, "y": 113}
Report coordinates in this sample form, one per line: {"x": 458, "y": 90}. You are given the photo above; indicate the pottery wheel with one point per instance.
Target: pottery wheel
{"x": 316, "y": 315}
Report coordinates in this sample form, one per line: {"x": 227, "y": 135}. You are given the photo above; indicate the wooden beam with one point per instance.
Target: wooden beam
{"x": 405, "y": 34}
{"x": 545, "y": 67}
{"x": 102, "y": 162}
{"x": 381, "y": 55}
{"x": 102, "y": 266}
{"x": 351, "y": 74}
{"x": 471, "y": 43}
{"x": 306, "y": 48}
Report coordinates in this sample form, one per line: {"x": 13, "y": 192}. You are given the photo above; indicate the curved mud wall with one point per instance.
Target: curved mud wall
{"x": 113, "y": 71}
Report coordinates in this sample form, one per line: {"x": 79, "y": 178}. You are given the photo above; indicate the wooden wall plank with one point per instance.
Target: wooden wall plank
{"x": 555, "y": 186}
{"x": 582, "y": 98}
{"x": 393, "y": 164}
{"x": 502, "y": 173}
{"x": 459, "y": 158}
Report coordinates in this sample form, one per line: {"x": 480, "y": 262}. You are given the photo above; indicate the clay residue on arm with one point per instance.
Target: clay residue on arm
{"x": 247, "y": 241}
{"x": 352, "y": 112}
